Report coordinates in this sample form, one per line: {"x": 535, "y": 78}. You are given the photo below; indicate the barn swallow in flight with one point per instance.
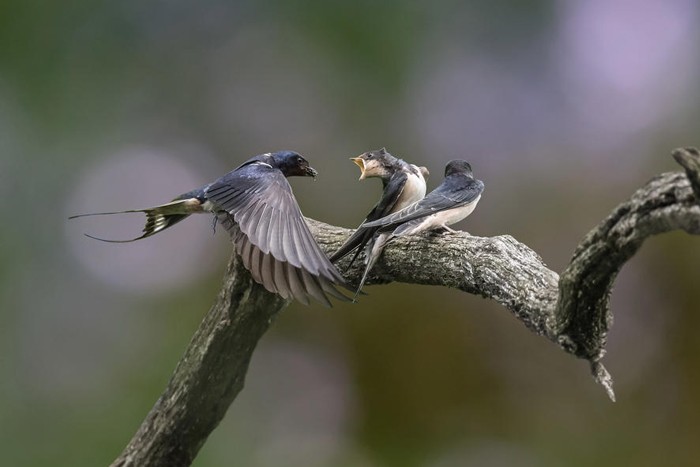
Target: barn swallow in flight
{"x": 254, "y": 202}
{"x": 453, "y": 200}
{"x": 403, "y": 184}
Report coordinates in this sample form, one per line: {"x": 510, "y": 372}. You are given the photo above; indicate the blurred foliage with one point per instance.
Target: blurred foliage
{"x": 559, "y": 128}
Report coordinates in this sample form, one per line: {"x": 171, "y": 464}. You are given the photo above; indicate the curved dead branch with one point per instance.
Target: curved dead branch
{"x": 572, "y": 311}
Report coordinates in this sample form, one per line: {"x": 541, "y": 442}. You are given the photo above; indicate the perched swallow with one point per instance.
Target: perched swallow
{"x": 403, "y": 184}
{"x": 254, "y": 202}
{"x": 453, "y": 200}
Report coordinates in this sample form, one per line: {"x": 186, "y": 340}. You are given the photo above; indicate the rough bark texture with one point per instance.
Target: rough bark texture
{"x": 668, "y": 202}
{"x": 572, "y": 311}
{"x": 209, "y": 375}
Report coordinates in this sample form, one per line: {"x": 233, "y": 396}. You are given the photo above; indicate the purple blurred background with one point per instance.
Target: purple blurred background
{"x": 563, "y": 109}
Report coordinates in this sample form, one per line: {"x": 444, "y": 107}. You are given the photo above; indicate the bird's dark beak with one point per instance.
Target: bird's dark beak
{"x": 360, "y": 162}
{"x": 310, "y": 172}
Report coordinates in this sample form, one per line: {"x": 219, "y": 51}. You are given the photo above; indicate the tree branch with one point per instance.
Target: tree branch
{"x": 209, "y": 375}
{"x": 668, "y": 202}
{"x": 572, "y": 311}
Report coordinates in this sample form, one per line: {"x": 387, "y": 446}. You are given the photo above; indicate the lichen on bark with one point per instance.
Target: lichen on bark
{"x": 573, "y": 310}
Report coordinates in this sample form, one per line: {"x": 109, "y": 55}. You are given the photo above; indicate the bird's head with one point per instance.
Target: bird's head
{"x": 458, "y": 167}
{"x": 377, "y": 163}
{"x": 292, "y": 164}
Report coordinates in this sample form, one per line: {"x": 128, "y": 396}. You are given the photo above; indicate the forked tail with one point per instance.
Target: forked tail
{"x": 373, "y": 252}
{"x": 158, "y": 218}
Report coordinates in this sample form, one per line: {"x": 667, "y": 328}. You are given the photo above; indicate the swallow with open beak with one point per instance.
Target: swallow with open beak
{"x": 403, "y": 184}
{"x": 453, "y": 200}
{"x": 255, "y": 204}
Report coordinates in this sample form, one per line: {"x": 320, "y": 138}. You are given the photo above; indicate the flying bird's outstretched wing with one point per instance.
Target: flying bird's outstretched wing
{"x": 256, "y": 205}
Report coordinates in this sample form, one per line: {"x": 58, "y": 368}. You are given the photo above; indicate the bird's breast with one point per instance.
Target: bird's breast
{"x": 413, "y": 190}
{"x": 452, "y": 216}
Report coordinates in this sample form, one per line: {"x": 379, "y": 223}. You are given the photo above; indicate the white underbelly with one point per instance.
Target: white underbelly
{"x": 413, "y": 190}
{"x": 450, "y": 216}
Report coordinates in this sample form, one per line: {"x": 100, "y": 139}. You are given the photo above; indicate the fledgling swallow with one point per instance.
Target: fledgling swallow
{"x": 453, "y": 200}
{"x": 403, "y": 184}
{"x": 255, "y": 204}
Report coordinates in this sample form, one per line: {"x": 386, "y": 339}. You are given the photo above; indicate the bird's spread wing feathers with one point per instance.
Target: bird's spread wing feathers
{"x": 260, "y": 212}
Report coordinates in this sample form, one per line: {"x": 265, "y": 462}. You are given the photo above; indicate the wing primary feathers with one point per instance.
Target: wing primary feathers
{"x": 246, "y": 248}
{"x": 260, "y": 204}
{"x": 376, "y": 248}
{"x": 279, "y": 273}
{"x": 306, "y": 247}
{"x": 330, "y": 289}
{"x": 296, "y": 284}
{"x": 267, "y": 272}
{"x": 244, "y": 216}
{"x": 256, "y": 267}
{"x": 321, "y": 265}
{"x": 287, "y": 241}
{"x": 359, "y": 249}
{"x": 257, "y": 220}
{"x": 356, "y": 243}
{"x": 255, "y": 204}
{"x": 276, "y": 234}
{"x": 346, "y": 248}
{"x": 313, "y": 288}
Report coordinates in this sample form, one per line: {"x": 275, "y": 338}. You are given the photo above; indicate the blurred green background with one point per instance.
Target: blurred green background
{"x": 563, "y": 109}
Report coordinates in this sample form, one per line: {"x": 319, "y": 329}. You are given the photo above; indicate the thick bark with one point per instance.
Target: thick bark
{"x": 209, "y": 375}
{"x": 572, "y": 311}
{"x": 668, "y": 202}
